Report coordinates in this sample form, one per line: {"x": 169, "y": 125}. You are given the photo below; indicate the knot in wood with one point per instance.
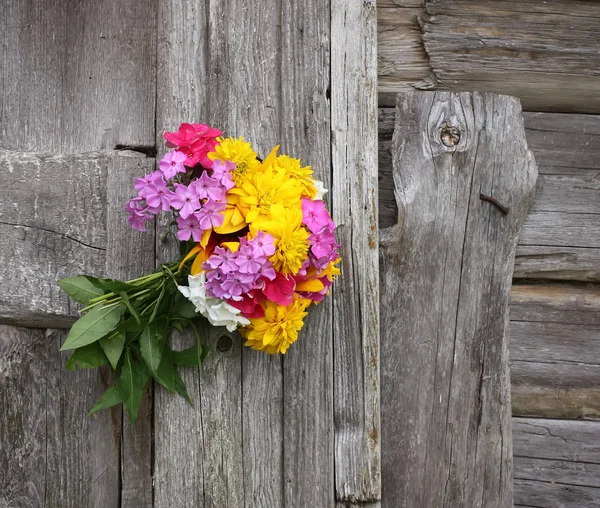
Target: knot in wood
{"x": 449, "y": 135}
{"x": 224, "y": 344}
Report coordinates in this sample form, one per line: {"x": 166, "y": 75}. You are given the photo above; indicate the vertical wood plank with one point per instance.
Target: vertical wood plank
{"x": 356, "y": 294}
{"x": 51, "y": 452}
{"x": 130, "y": 254}
{"x": 77, "y": 76}
{"x": 446, "y": 271}
{"x": 222, "y": 67}
{"x": 308, "y": 364}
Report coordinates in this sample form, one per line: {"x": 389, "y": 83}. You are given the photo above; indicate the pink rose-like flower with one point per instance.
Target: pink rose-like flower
{"x": 195, "y": 141}
{"x": 172, "y": 163}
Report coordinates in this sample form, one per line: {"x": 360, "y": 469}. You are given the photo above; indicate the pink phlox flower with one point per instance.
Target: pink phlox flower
{"x": 323, "y": 243}
{"x": 247, "y": 261}
{"x": 262, "y": 245}
{"x": 141, "y": 183}
{"x": 315, "y": 215}
{"x": 227, "y": 184}
{"x": 221, "y": 169}
{"x": 172, "y": 163}
{"x": 266, "y": 271}
{"x": 210, "y": 215}
{"x": 207, "y": 187}
{"x": 158, "y": 195}
{"x": 189, "y": 227}
{"x": 236, "y": 284}
{"x": 223, "y": 259}
{"x": 138, "y": 213}
{"x": 185, "y": 200}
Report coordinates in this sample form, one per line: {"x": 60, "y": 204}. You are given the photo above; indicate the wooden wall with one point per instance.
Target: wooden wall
{"x": 548, "y": 55}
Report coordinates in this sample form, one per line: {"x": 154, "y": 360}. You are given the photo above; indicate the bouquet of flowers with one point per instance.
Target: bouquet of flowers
{"x": 257, "y": 249}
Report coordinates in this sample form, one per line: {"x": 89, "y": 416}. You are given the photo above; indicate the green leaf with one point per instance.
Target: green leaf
{"x": 80, "y": 288}
{"x": 132, "y": 384}
{"x": 157, "y": 304}
{"x": 114, "y": 286}
{"x": 94, "y": 325}
{"x": 87, "y": 357}
{"x": 185, "y": 308}
{"x": 191, "y": 357}
{"x": 165, "y": 374}
{"x": 180, "y": 387}
{"x": 152, "y": 343}
{"x": 113, "y": 347}
{"x": 131, "y": 325}
{"x": 111, "y": 397}
{"x": 125, "y": 300}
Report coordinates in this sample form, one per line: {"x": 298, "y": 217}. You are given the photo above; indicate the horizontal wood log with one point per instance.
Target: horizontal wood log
{"x": 445, "y": 270}
{"x": 509, "y": 47}
{"x": 53, "y": 225}
{"x": 555, "y": 351}
{"x": 561, "y": 236}
{"x": 557, "y": 463}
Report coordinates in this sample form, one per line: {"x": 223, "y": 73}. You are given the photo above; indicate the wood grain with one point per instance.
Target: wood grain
{"x": 130, "y": 254}
{"x": 507, "y": 47}
{"x": 555, "y": 341}
{"x": 308, "y": 430}
{"x": 557, "y": 463}
{"x": 446, "y": 270}
{"x": 560, "y": 236}
{"x": 84, "y": 82}
{"x": 51, "y": 452}
{"x": 356, "y": 294}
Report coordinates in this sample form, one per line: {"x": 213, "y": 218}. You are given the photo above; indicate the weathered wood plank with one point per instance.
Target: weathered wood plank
{"x": 560, "y": 237}
{"x": 85, "y": 82}
{"x": 247, "y": 396}
{"x": 508, "y": 47}
{"x": 446, "y": 270}
{"x": 308, "y": 433}
{"x": 557, "y": 463}
{"x": 51, "y": 452}
{"x": 52, "y": 225}
{"x": 555, "y": 343}
{"x": 356, "y": 294}
{"x": 130, "y": 254}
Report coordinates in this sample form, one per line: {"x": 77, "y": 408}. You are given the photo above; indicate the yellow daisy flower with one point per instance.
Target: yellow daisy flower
{"x": 291, "y": 239}
{"x": 279, "y": 327}
{"x": 238, "y": 151}
{"x": 293, "y": 168}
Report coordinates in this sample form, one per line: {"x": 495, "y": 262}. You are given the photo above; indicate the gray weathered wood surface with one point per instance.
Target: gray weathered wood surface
{"x": 561, "y": 236}
{"x": 77, "y": 81}
{"x": 446, "y": 270}
{"x": 308, "y": 375}
{"x": 557, "y": 463}
{"x": 533, "y": 50}
{"x": 555, "y": 350}
{"x": 355, "y": 211}
{"x": 262, "y": 430}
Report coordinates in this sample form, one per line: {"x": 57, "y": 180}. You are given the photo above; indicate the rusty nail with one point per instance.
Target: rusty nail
{"x": 496, "y": 203}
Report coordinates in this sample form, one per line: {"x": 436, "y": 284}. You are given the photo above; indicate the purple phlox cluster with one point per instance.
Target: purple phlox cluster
{"x": 138, "y": 213}
{"x": 323, "y": 247}
{"x": 172, "y": 163}
{"x": 230, "y": 275}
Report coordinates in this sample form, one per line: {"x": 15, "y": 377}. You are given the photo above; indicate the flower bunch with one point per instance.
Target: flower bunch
{"x": 258, "y": 248}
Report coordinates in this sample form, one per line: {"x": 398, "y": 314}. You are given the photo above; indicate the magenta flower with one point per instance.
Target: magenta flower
{"x": 247, "y": 261}
{"x": 262, "y": 245}
{"x": 210, "y": 214}
{"x": 315, "y": 215}
{"x": 141, "y": 183}
{"x": 172, "y": 163}
{"x": 185, "y": 200}
{"x": 138, "y": 213}
{"x": 195, "y": 141}
{"x": 222, "y": 169}
{"x": 207, "y": 187}
{"x": 158, "y": 195}
{"x": 189, "y": 227}
{"x": 323, "y": 244}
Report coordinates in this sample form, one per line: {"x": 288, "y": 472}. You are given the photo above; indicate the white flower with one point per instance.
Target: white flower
{"x": 321, "y": 190}
{"x": 218, "y": 312}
